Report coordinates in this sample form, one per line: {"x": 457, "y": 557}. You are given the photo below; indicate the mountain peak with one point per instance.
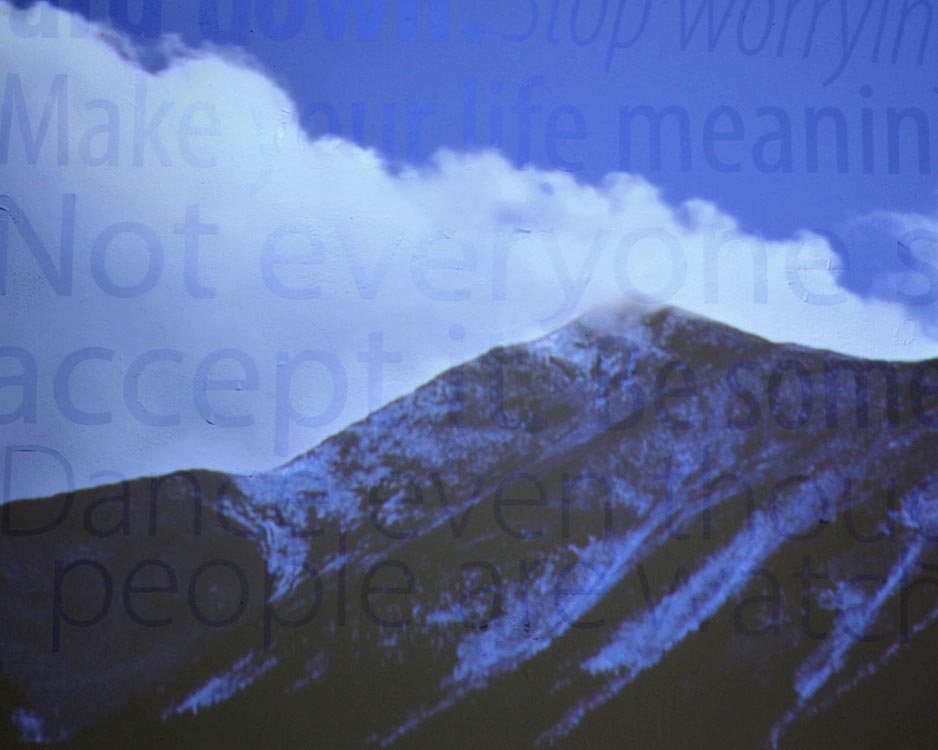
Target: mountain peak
{"x": 622, "y": 510}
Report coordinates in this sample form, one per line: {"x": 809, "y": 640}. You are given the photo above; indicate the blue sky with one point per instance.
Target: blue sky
{"x": 695, "y": 54}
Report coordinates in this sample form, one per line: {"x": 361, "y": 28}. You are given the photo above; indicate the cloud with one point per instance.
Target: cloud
{"x": 893, "y": 257}
{"x": 239, "y": 292}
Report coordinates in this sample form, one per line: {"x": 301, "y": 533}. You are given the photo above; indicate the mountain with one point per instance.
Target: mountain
{"x": 644, "y": 530}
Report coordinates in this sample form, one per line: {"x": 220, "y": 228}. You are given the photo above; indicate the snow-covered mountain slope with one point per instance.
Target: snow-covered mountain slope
{"x": 644, "y": 530}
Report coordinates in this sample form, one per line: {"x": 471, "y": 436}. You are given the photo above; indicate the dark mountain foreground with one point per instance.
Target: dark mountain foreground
{"x": 642, "y": 531}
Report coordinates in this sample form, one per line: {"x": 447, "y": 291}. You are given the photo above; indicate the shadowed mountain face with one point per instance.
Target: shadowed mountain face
{"x": 644, "y": 531}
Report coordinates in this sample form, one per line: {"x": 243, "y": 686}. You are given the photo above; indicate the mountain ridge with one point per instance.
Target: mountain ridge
{"x": 606, "y": 486}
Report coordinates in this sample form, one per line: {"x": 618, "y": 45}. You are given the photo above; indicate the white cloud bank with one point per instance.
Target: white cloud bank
{"x": 433, "y": 266}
